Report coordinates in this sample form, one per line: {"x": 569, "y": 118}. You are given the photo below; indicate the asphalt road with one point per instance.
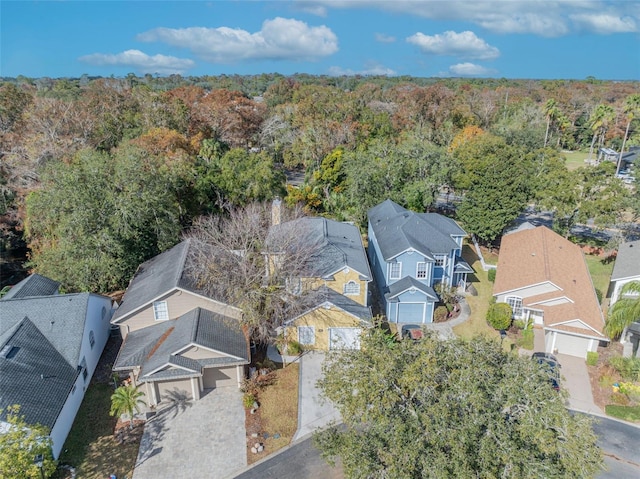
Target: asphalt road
{"x": 618, "y": 441}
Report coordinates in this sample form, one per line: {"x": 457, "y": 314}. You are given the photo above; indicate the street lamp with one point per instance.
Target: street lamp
{"x": 39, "y": 461}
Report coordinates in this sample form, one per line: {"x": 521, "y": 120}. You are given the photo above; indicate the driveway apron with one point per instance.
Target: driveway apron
{"x": 314, "y": 411}
{"x": 205, "y": 438}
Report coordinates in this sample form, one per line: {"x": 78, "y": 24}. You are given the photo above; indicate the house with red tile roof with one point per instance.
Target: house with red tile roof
{"x": 545, "y": 279}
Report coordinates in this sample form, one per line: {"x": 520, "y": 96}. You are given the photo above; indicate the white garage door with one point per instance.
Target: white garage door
{"x": 344, "y": 338}
{"x": 571, "y": 345}
{"x": 219, "y": 377}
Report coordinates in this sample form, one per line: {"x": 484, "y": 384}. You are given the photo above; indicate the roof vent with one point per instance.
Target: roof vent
{"x": 9, "y": 351}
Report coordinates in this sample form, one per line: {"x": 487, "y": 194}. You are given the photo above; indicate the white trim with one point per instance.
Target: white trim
{"x": 545, "y": 301}
{"x": 179, "y": 352}
{"x": 323, "y": 306}
{"x": 584, "y": 336}
{"x": 356, "y": 288}
{"x": 395, "y": 263}
{"x": 527, "y": 286}
{"x": 426, "y": 256}
{"x": 162, "y": 309}
{"x": 160, "y": 368}
{"x": 426, "y": 270}
{"x": 571, "y": 321}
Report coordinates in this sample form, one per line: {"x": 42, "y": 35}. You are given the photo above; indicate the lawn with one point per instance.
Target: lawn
{"x": 91, "y": 447}
{"x": 575, "y": 159}
{"x": 627, "y": 413}
{"x": 477, "y": 323}
{"x": 600, "y": 273}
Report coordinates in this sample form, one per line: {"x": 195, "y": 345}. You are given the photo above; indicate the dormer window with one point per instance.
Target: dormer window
{"x": 160, "y": 311}
{"x": 421, "y": 270}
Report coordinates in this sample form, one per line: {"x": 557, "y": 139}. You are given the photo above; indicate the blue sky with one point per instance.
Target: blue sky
{"x": 426, "y": 38}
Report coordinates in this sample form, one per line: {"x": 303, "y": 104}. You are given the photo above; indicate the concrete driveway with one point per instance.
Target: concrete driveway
{"x": 205, "y": 438}
{"x": 314, "y": 411}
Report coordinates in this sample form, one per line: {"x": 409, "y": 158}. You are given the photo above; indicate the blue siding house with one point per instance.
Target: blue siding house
{"x": 410, "y": 253}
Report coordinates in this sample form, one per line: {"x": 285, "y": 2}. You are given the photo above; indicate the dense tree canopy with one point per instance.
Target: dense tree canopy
{"x": 450, "y": 409}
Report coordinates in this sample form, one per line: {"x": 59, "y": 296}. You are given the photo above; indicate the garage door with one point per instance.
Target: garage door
{"x": 411, "y": 313}
{"x": 178, "y": 390}
{"x": 219, "y": 377}
{"x": 344, "y": 338}
{"x": 571, "y": 345}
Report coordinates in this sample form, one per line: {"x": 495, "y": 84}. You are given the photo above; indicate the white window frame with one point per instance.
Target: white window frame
{"x": 303, "y": 339}
{"x": 392, "y": 267}
{"x": 441, "y": 261}
{"x": 92, "y": 339}
{"x": 160, "y": 310}
{"x": 421, "y": 270}
{"x": 351, "y": 288}
{"x": 516, "y": 305}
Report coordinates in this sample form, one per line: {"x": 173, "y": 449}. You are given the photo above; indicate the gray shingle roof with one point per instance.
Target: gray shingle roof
{"x": 461, "y": 266}
{"x": 398, "y": 229}
{"x": 37, "y": 377}
{"x": 156, "y": 346}
{"x": 332, "y": 245}
{"x": 60, "y": 318}
{"x": 627, "y": 261}
{"x": 408, "y": 282}
{"x": 327, "y": 295}
{"x": 33, "y": 285}
{"x": 157, "y": 277}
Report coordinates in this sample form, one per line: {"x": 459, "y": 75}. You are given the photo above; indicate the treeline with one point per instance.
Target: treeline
{"x": 99, "y": 174}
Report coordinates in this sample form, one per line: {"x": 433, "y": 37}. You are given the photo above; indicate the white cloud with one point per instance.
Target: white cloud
{"x": 382, "y": 38}
{"x": 464, "y": 45}
{"x": 604, "y": 23}
{"x": 279, "y": 39}
{"x": 547, "y": 18}
{"x": 141, "y": 61}
{"x": 370, "y": 69}
{"x": 470, "y": 70}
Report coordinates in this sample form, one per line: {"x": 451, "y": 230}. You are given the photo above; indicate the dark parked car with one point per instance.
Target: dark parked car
{"x": 411, "y": 331}
{"x": 551, "y": 365}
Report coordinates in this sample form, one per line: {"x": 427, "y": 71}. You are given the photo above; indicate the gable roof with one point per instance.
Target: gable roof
{"x": 325, "y": 295}
{"x": 539, "y": 255}
{"x": 33, "y": 285}
{"x": 407, "y": 283}
{"x": 398, "y": 229}
{"x": 60, "y": 318}
{"x": 35, "y": 375}
{"x": 158, "y": 346}
{"x": 627, "y": 262}
{"x": 332, "y": 245}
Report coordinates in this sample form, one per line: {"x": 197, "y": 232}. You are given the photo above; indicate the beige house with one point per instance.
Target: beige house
{"x": 177, "y": 340}
{"x": 335, "y": 322}
{"x": 545, "y": 279}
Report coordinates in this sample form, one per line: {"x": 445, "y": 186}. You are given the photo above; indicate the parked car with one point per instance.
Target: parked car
{"x": 551, "y": 365}
{"x": 411, "y": 331}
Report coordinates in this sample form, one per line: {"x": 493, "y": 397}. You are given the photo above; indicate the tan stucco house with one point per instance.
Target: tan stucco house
{"x": 545, "y": 279}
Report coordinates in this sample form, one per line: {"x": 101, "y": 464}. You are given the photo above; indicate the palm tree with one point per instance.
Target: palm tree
{"x": 126, "y": 399}
{"x": 624, "y": 311}
{"x": 551, "y": 111}
{"x": 632, "y": 110}
{"x": 599, "y": 122}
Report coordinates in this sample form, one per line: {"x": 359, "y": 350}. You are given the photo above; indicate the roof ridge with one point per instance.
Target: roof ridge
{"x": 545, "y": 255}
{"x": 196, "y": 323}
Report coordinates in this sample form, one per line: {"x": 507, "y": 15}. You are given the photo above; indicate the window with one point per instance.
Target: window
{"x": 160, "y": 311}
{"x": 441, "y": 261}
{"x": 92, "y": 339}
{"x": 83, "y": 367}
{"x": 306, "y": 335}
{"x": 516, "y": 305}
{"x": 421, "y": 271}
{"x": 351, "y": 288}
{"x": 395, "y": 270}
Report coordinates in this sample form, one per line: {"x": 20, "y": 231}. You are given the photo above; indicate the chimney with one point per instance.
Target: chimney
{"x": 276, "y": 208}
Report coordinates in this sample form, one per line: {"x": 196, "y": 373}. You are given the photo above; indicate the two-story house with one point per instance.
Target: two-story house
{"x": 410, "y": 253}
{"x": 334, "y": 274}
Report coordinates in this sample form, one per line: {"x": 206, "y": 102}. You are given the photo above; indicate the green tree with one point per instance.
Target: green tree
{"x": 19, "y": 445}
{"x": 551, "y": 112}
{"x": 449, "y": 409}
{"x": 624, "y": 311}
{"x": 126, "y": 400}
{"x": 499, "y": 315}
{"x": 599, "y": 121}
{"x": 632, "y": 111}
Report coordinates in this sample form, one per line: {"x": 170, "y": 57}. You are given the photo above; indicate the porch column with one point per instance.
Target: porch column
{"x": 195, "y": 388}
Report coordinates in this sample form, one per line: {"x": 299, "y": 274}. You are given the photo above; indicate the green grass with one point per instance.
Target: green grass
{"x": 479, "y": 305}
{"x": 600, "y": 273}
{"x": 627, "y": 413}
{"x": 575, "y": 159}
{"x": 91, "y": 447}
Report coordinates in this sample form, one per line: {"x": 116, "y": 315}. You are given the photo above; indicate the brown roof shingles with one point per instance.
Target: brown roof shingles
{"x": 539, "y": 255}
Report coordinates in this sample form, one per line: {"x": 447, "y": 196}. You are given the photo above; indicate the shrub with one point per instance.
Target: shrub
{"x": 491, "y": 274}
{"x": 520, "y": 323}
{"x": 630, "y": 390}
{"x": 606, "y": 381}
{"x": 629, "y": 368}
{"x": 499, "y": 315}
{"x": 619, "y": 399}
{"x": 526, "y": 341}
{"x": 592, "y": 358}
{"x": 440, "y": 314}
{"x": 248, "y": 400}
{"x": 294, "y": 348}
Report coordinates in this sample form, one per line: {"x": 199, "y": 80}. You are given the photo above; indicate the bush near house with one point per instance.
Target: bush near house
{"x": 491, "y": 274}
{"x": 592, "y": 358}
{"x": 499, "y": 315}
